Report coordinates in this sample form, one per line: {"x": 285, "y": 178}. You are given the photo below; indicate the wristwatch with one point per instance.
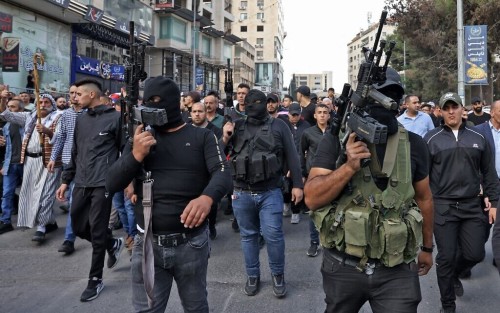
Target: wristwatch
{"x": 426, "y": 249}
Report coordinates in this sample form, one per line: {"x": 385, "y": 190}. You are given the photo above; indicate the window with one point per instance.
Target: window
{"x": 260, "y": 16}
{"x": 243, "y": 29}
{"x": 243, "y": 4}
{"x": 243, "y": 16}
{"x": 260, "y": 42}
{"x": 206, "y": 46}
{"x": 260, "y": 54}
{"x": 172, "y": 28}
{"x": 260, "y": 28}
{"x": 260, "y": 3}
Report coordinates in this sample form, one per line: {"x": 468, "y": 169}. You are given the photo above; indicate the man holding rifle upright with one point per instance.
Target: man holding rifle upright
{"x": 373, "y": 208}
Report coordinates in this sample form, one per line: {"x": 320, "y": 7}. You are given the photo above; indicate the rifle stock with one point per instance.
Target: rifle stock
{"x": 228, "y": 89}
{"x": 134, "y": 73}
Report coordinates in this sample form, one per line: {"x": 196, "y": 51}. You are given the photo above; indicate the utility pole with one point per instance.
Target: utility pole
{"x": 194, "y": 45}
{"x": 460, "y": 50}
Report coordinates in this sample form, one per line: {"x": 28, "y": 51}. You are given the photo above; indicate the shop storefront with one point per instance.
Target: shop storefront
{"x": 24, "y": 33}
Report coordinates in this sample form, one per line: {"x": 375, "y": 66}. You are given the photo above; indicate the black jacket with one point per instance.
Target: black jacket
{"x": 95, "y": 147}
{"x": 457, "y": 165}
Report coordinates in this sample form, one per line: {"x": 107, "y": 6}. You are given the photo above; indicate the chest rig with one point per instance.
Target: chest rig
{"x": 255, "y": 158}
{"x": 373, "y": 223}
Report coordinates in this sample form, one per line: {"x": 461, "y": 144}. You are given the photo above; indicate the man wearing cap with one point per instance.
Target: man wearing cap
{"x": 37, "y": 194}
{"x": 297, "y": 127}
{"x": 308, "y": 107}
{"x": 461, "y": 163}
{"x": 477, "y": 116}
{"x": 413, "y": 119}
{"x": 260, "y": 146}
{"x": 188, "y": 174}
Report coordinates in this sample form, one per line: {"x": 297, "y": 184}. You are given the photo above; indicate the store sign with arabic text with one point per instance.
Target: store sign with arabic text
{"x": 476, "y": 55}
{"x": 95, "y": 67}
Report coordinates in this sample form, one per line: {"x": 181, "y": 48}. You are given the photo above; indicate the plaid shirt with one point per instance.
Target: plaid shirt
{"x": 64, "y": 137}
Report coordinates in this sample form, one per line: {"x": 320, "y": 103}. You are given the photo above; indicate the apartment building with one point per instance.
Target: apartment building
{"x": 365, "y": 38}
{"x": 260, "y": 23}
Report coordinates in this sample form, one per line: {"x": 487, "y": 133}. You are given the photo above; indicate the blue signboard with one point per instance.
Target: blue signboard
{"x": 476, "y": 55}
{"x": 199, "y": 77}
{"x": 95, "y": 67}
{"x": 88, "y": 66}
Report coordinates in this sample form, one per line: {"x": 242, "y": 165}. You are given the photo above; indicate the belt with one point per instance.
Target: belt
{"x": 174, "y": 240}
{"x": 33, "y": 155}
{"x": 353, "y": 261}
{"x": 249, "y": 190}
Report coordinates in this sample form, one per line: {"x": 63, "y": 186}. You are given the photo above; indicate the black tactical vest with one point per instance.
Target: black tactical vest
{"x": 255, "y": 158}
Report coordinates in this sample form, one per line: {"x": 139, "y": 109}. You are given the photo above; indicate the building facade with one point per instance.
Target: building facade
{"x": 364, "y": 38}
{"x": 260, "y": 23}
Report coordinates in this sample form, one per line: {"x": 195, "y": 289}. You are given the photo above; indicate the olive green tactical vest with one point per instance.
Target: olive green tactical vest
{"x": 370, "y": 223}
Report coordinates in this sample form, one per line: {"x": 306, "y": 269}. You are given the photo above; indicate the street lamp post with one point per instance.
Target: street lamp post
{"x": 194, "y": 45}
{"x": 460, "y": 50}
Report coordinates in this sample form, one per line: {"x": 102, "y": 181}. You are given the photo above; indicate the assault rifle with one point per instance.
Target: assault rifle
{"x": 131, "y": 112}
{"x": 228, "y": 89}
{"x": 352, "y": 104}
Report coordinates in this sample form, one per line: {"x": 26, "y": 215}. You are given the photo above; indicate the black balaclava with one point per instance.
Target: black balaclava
{"x": 170, "y": 97}
{"x": 386, "y": 117}
{"x": 256, "y": 107}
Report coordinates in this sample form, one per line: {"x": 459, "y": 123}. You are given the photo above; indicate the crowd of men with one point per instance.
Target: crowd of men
{"x": 272, "y": 158}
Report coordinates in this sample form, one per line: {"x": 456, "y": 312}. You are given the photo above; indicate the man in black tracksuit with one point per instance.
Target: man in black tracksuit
{"x": 95, "y": 147}
{"x": 460, "y": 162}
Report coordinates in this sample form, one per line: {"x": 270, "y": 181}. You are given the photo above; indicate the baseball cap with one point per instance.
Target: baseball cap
{"x": 313, "y": 96}
{"x": 304, "y": 90}
{"x": 255, "y": 96}
{"x": 475, "y": 99}
{"x": 294, "y": 108}
{"x": 450, "y": 97}
{"x": 426, "y": 105}
{"x": 273, "y": 97}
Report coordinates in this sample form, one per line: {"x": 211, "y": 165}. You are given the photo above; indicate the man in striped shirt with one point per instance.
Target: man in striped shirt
{"x": 63, "y": 144}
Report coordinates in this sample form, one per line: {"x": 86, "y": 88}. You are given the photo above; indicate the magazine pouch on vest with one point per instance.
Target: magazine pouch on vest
{"x": 371, "y": 223}
{"x": 255, "y": 159}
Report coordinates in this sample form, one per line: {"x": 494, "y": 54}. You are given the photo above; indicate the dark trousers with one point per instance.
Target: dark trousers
{"x": 457, "y": 226}
{"x": 90, "y": 209}
{"x": 495, "y": 240}
{"x": 389, "y": 289}
{"x": 212, "y": 215}
{"x": 287, "y": 198}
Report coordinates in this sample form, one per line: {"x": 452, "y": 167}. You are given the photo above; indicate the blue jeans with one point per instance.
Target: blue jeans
{"x": 125, "y": 210}
{"x": 255, "y": 212}
{"x": 68, "y": 233}
{"x": 10, "y": 182}
{"x": 187, "y": 264}
{"x": 313, "y": 232}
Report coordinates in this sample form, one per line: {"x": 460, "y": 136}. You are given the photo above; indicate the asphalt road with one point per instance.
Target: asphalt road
{"x": 38, "y": 279}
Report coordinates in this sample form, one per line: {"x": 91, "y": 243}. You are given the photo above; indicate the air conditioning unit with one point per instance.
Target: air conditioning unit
{"x": 261, "y": 7}
{"x": 263, "y": 20}
{"x": 243, "y": 8}
{"x": 258, "y": 46}
{"x": 260, "y": 58}
{"x": 241, "y": 20}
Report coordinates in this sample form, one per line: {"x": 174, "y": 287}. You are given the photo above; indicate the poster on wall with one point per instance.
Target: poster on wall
{"x": 5, "y": 23}
{"x": 476, "y": 54}
{"x": 10, "y": 55}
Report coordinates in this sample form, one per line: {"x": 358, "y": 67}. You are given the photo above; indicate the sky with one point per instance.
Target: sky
{"x": 318, "y": 32}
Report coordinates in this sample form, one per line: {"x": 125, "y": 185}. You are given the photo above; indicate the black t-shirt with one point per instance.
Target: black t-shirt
{"x": 329, "y": 148}
{"x": 308, "y": 113}
{"x": 478, "y": 119}
{"x": 15, "y": 139}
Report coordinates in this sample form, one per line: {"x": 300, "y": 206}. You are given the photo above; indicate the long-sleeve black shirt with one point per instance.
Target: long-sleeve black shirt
{"x": 459, "y": 166}
{"x": 184, "y": 164}
{"x": 283, "y": 140}
{"x": 309, "y": 143}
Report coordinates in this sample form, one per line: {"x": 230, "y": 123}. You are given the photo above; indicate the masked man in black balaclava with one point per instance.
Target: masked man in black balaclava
{"x": 261, "y": 145}
{"x": 189, "y": 173}
{"x": 390, "y": 198}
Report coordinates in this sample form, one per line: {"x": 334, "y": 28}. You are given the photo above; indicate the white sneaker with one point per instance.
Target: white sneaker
{"x": 295, "y": 219}
{"x": 286, "y": 209}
